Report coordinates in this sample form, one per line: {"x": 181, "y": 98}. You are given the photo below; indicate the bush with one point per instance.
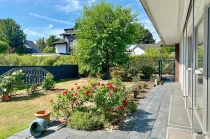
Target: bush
{"x": 4, "y": 47}
{"x": 11, "y": 83}
{"x": 48, "y": 82}
{"x": 144, "y": 85}
{"x": 132, "y": 106}
{"x": 117, "y": 72}
{"x": 147, "y": 71}
{"x": 86, "y": 121}
{"x": 110, "y": 101}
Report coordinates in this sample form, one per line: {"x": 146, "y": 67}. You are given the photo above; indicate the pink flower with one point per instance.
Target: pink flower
{"x": 116, "y": 89}
{"x": 57, "y": 90}
{"x": 51, "y": 100}
{"x": 110, "y": 86}
{"x": 110, "y": 94}
{"x": 65, "y": 92}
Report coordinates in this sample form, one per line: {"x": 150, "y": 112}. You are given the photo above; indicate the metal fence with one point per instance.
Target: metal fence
{"x": 35, "y": 74}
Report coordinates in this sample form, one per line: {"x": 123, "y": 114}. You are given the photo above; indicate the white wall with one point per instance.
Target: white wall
{"x": 60, "y": 48}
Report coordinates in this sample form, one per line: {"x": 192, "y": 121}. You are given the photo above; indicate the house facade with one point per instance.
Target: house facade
{"x": 139, "y": 49}
{"x": 186, "y": 24}
{"x": 67, "y": 43}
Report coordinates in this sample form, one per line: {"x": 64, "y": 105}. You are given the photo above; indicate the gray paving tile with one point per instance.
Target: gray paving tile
{"x": 164, "y": 109}
{"x": 162, "y": 115}
{"x": 174, "y": 133}
{"x": 160, "y": 123}
{"x": 98, "y": 135}
{"x": 158, "y": 133}
{"x": 117, "y": 134}
{"x": 24, "y": 133}
{"x": 16, "y": 137}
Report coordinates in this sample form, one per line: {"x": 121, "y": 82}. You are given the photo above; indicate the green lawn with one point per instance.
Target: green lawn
{"x": 17, "y": 114}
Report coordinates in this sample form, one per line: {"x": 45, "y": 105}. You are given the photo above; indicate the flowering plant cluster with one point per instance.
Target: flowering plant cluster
{"x": 33, "y": 88}
{"x": 110, "y": 100}
{"x": 10, "y": 83}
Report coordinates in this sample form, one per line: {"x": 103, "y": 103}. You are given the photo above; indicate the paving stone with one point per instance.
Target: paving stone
{"x": 24, "y": 133}
{"x": 174, "y": 133}
{"x": 139, "y": 135}
{"x": 16, "y": 137}
{"x": 158, "y": 133}
{"x": 117, "y": 134}
{"x": 98, "y": 135}
{"x": 162, "y": 115}
{"x": 177, "y": 101}
{"x": 161, "y": 123}
{"x": 153, "y": 109}
{"x": 164, "y": 109}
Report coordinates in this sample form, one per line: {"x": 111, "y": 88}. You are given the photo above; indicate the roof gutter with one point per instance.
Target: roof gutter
{"x": 146, "y": 8}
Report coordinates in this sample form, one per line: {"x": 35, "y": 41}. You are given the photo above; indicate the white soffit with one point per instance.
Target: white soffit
{"x": 166, "y": 17}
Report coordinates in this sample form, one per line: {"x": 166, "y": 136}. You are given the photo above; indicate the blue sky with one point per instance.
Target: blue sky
{"x": 41, "y": 18}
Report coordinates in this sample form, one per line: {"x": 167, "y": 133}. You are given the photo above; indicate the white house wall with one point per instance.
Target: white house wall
{"x": 60, "y": 48}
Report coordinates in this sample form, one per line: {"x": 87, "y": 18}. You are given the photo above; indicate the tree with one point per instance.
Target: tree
{"x": 144, "y": 36}
{"x": 103, "y": 32}
{"x": 41, "y": 44}
{"x": 4, "y": 47}
{"x": 50, "y": 47}
{"x": 11, "y": 33}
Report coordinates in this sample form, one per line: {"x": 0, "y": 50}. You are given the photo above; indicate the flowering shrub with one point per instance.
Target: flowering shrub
{"x": 109, "y": 101}
{"x": 10, "y": 83}
{"x": 48, "y": 82}
{"x": 33, "y": 89}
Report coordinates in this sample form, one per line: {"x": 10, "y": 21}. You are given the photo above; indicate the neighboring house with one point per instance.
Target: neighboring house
{"x": 30, "y": 47}
{"x": 67, "y": 43}
{"x": 139, "y": 49}
{"x": 186, "y": 24}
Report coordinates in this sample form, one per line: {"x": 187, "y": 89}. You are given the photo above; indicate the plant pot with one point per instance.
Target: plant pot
{"x": 132, "y": 96}
{"x": 43, "y": 115}
{"x": 5, "y": 98}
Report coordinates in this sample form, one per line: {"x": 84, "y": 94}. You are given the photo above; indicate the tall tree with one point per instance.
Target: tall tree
{"x": 103, "y": 31}
{"x": 11, "y": 33}
{"x": 144, "y": 36}
{"x": 41, "y": 44}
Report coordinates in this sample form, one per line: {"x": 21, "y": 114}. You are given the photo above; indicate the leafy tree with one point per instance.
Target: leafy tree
{"x": 41, "y": 44}
{"x": 48, "y": 49}
{"x": 11, "y": 33}
{"x": 103, "y": 31}
{"x": 4, "y": 47}
{"x": 144, "y": 36}
{"x": 164, "y": 50}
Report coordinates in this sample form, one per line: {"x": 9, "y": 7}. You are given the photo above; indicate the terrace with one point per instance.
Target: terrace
{"x": 160, "y": 115}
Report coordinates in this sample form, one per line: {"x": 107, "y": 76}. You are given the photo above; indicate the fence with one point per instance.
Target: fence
{"x": 59, "y": 72}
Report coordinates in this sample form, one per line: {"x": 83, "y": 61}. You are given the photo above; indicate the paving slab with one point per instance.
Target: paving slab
{"x": 175, "y": 133}
{"x": 158, "y": 133}
{"x": 98, "y": 135}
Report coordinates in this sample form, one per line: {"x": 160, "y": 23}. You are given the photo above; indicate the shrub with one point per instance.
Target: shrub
{"x": 132, "y": 106}
{"x": 147, "y": 71}
{"x": 86, "y": 121}
{"x": 10, "y": 83}
{"x": 48, "y": 82}
{"x": 136, "y": 90}
{"x": 144, "y": 85}
{"x": 3, "y": 47}
{"x": 32, "y": 89}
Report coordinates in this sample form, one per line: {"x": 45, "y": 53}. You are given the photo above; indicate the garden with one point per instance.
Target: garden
{"x": 112, "y": 83}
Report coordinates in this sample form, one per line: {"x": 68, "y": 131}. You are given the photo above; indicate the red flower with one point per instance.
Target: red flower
{"x": 87, "y": 92}
{"x": 75, "y": 99}
{"x": 121, "y": 108}
{"x": 78, "y": 87}
{"x": 102, "y": 84}
{"x": 65, "y": 92}
{"x": 90, "y": 95}
{"x": 51, "y": 100}
{"x": 98, "y": 75}
{"x": 72, "y": 89}
{"x": 76, "y": 94}
{"x": 99, "y": 84}
{"x": 110, "y": 94}
{"x": 116, "y": 89}
{"x": 77, "y": 103}
{"x": 72, "y": 95}
{"x": 134, "y": 87}
{"x": 125, "y": 102}
{"x": 110, "y": 86}
{"x": 75, "y": 83}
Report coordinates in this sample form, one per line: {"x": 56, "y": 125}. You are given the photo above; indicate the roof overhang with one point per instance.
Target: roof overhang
{"x": 168, "y": 18}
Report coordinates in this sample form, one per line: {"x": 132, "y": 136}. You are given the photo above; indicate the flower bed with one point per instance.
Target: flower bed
{"x": 94, "y": 106}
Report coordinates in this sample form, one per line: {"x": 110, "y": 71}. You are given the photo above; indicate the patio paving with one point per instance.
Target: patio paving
{"x": 161, "y": 115}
